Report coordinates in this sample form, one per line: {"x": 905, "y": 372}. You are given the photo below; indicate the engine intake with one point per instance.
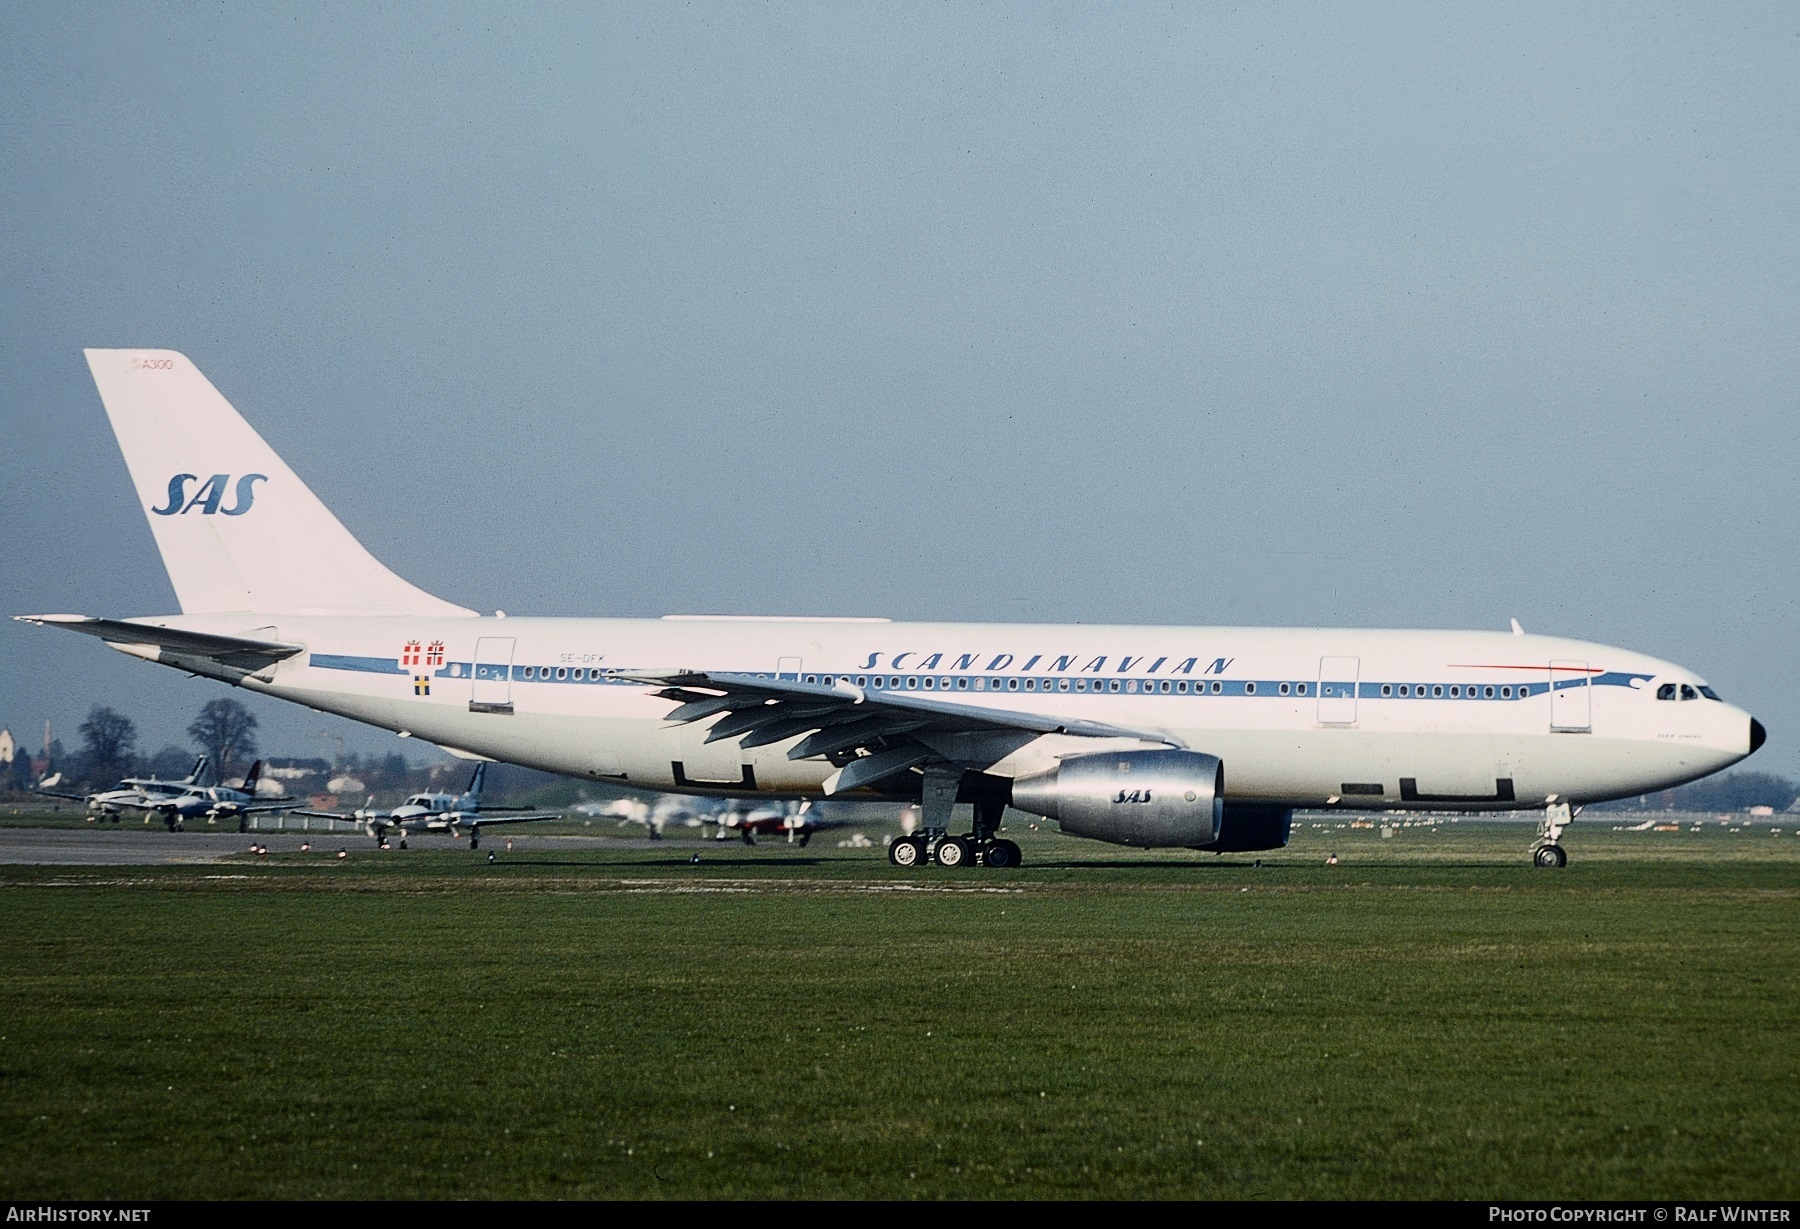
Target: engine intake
{"x": 1151, "y": 799}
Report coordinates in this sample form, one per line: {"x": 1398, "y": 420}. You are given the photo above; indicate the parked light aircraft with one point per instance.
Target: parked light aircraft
{"x": 215, "y": 802}
{"x": 130, "y": 794}
{"x": 799, "y": 822}
{"x": 438, "y": 812}
{"x": 1199, "y": 737}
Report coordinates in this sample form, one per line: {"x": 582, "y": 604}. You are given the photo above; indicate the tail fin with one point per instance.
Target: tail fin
{"x": 193, "y": 778}
{"x": 473, "y": 793}
{"x": 237, "y": 529}
{"x": 249, "y": 785}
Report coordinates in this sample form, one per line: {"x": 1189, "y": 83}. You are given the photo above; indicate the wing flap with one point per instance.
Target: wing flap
{"x": 871, "y": 735}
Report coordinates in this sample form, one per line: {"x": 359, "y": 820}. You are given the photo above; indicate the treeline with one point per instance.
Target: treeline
{"x": 225, "y": 732}
{"x": 1734, "y": 791}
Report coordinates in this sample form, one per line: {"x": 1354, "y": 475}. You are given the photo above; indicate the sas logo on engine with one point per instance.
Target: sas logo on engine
{"x": 209, "y": 496}
{"x": 1134, "y": 795}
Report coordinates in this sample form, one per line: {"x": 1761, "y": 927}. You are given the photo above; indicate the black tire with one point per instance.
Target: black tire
{"x": 953, "y": 851}
{"x": 1002, "y": 855}
{"x": 905, "y": 852}
{"x": 1550, "y": 855}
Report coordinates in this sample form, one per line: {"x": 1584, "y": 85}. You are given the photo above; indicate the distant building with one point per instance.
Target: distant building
{"x": 9, "y": 746}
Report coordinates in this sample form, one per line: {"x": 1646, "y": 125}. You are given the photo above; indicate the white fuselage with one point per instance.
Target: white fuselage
{"x": 1306, "y": 717}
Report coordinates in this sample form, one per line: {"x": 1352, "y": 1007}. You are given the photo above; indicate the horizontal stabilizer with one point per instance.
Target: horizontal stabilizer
{"x": 236, "y": 652}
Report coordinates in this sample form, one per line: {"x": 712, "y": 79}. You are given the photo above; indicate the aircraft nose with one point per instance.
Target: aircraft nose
{"x": 1758, "y": 735}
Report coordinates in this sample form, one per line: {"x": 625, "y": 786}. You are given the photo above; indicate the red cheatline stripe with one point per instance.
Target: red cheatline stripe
{"x": 1569, "y": 669}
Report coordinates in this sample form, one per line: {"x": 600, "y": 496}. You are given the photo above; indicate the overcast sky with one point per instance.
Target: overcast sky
{"x": 1380, "y": 316}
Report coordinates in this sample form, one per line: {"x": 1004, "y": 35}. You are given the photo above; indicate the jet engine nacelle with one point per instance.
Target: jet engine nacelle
{"x": 1151, "y": 799}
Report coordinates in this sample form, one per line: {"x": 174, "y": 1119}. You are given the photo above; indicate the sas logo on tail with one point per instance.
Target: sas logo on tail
{"x": 209, "y": 495}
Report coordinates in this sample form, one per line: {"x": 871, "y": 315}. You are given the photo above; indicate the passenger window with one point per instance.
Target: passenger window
{"x": 1437, "y": 690}
{"x": 1666, "y": 692}
{"x": 1302, "y": 689}
{"x": 1387, "y": 689}
{"x": 1283, "y": 689}
{"x": 1688, "y": 693}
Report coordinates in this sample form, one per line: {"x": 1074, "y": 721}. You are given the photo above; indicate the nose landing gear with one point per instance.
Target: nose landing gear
{"x": 1546, "y": 851}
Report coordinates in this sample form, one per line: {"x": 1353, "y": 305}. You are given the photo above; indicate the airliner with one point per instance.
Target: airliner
{"x": 1204, "y": 738}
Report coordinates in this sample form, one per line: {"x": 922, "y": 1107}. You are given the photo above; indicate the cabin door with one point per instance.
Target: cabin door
{"x": 1571, "y": 697}
{"x": 490, "y": 689}
{"x": 1337, "y": 689}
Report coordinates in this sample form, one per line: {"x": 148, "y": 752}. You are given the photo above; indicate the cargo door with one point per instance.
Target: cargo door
{"x": 1337, "y": 689}
{"x": 1571, "y": 697}
{"x": 491, "y": 685}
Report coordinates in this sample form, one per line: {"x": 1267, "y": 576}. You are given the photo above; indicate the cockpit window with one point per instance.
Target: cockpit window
{"x": 1666, "y": 692}
{"x": 1688, "y": 693}
{"x": 1710, "y": 694}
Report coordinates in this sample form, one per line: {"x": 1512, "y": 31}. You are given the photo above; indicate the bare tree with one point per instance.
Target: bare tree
{"x": 107, "y": 742}
{"x": 224, "y": 731}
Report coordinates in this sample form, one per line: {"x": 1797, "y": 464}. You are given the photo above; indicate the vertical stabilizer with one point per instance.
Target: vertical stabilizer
{"x": 237, "y": 529}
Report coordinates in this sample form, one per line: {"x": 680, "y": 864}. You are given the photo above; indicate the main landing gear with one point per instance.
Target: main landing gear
{"x": 1546, "y": 851}
{"x": 934, "y": 843}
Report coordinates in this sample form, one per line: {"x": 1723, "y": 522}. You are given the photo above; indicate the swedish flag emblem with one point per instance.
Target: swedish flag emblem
{"x": 421, "y": 684}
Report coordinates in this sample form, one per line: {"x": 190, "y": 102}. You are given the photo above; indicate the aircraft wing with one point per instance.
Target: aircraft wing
{"x": 481, "y": 819}
{"x": 56, "y": 793}
{"x": 871, "y": 735}
{"x": 172, "y": 644}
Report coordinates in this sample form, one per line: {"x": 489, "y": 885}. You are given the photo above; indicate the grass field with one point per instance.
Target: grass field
{"x": 1432, "y": 1018}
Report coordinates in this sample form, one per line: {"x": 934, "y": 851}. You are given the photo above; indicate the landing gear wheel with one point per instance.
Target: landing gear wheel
{"x": 905, "y": 852}
{"x": 954, "y": 851}
{"x": 1550, "y": 855}
{"x": 1002, "y": 855}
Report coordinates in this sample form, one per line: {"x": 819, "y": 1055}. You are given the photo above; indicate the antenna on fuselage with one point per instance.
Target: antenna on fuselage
{"x": 1516, "y": 629}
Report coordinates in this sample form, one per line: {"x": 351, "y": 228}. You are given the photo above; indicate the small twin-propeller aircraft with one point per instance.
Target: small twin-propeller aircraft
{"x": 438, "y": 812}
{"x": 130, "y": 794}
{"x": 175, "y": 802}
{"x": 1199, "y": 737}
{"x": 798, "y": 822}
